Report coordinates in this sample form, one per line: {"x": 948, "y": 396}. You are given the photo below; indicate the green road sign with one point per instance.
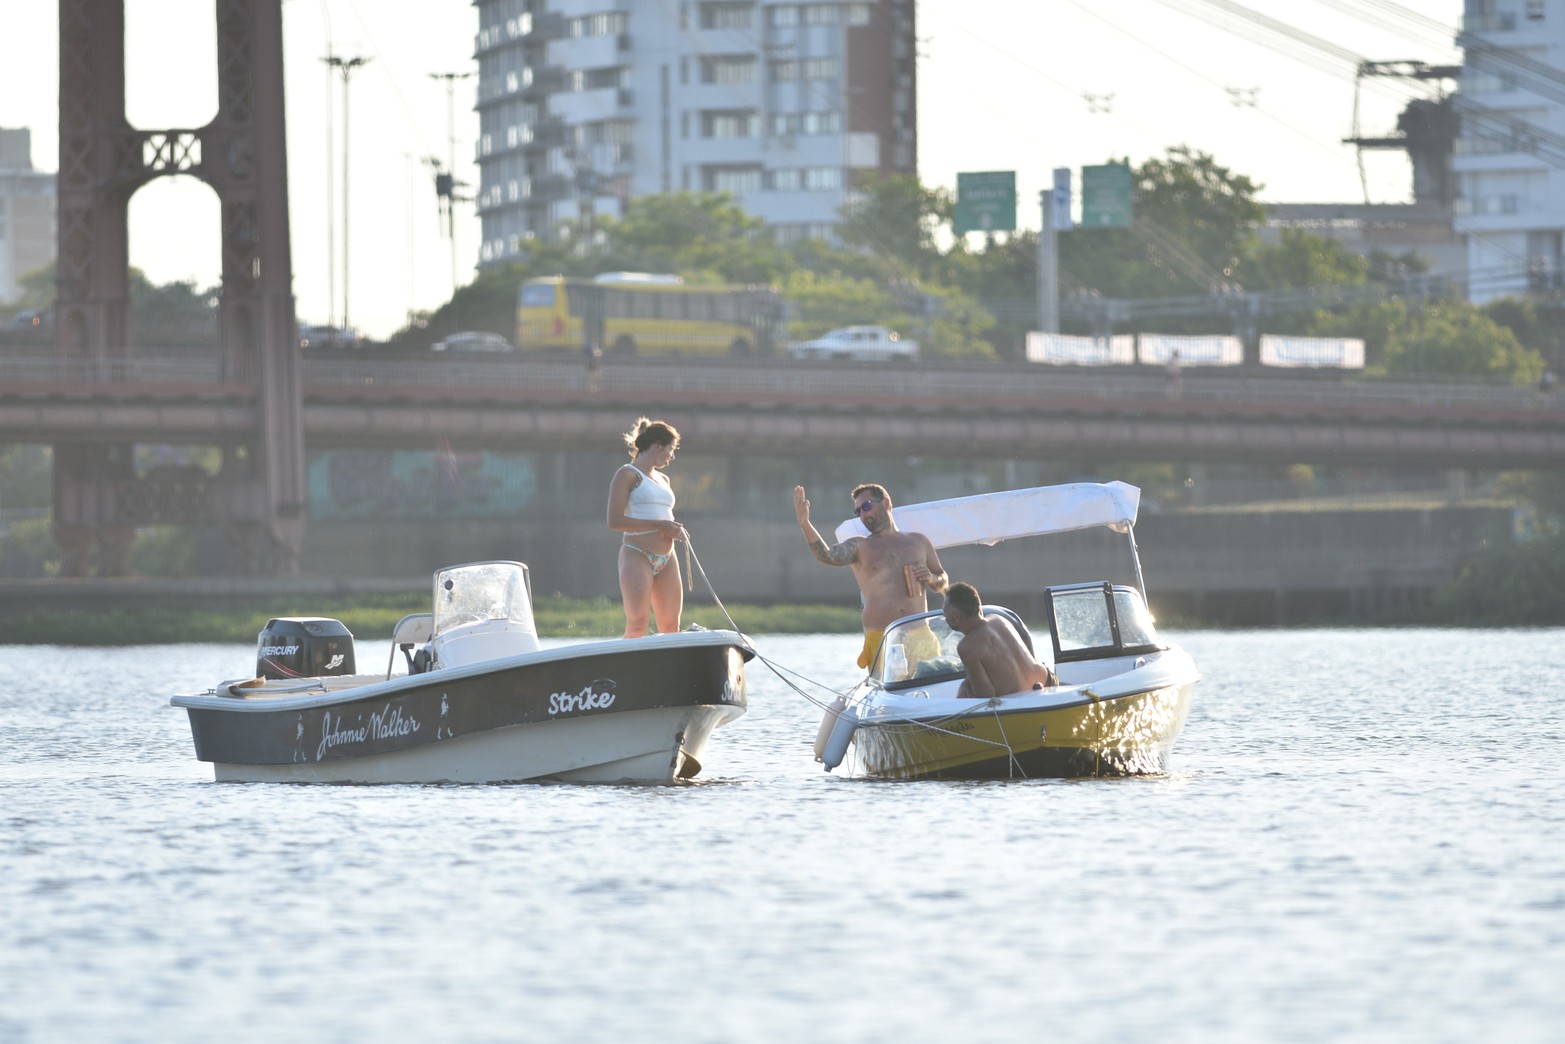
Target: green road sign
{"x": 1105, "y": 196}
{"x": 985, "y": 202}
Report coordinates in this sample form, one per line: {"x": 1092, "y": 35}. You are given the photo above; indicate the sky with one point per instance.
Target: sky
{"x": 1002, "y": 85}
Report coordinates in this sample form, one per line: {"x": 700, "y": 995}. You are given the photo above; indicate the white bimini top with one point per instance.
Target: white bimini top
{"x": 652, "y": 498}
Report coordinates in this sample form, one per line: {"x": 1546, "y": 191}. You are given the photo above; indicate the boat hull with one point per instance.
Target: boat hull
{"x": 637, "y": 711}
{"x": 1021, "y": 737}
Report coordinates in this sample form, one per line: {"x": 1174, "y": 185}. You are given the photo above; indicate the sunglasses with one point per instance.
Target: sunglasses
{"x": 866, "y": 505}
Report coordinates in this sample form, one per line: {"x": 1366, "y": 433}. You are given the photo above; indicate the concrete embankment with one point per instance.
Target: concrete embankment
{"x": 1232, "y": 568}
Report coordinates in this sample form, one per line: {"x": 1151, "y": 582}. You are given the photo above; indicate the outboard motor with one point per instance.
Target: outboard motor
{"x": 303, "y": 647}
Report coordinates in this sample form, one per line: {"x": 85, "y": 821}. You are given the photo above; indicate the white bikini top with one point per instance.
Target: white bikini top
{"x": 652, "y": 498}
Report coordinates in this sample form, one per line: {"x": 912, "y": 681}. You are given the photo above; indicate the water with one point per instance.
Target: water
{"x": 1360, "y": 839}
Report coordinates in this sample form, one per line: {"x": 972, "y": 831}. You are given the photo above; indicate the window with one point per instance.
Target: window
{"x": 784, "y": 123}
{"x": 728, "y": 69}
{"x": 784, "y": 71}
{"x": 821, "y": 179}
{"x": 738, "y": 124}
{"x": 597, "y": 79}
{"x": 735, "y": 180}
{"x": 726, "y": 16}
{"x": 784, "y": 16}
{"x": 821, "y": 14}
{"x": 786, "y": 180}
{"x": 610, "y": 23}
{"x": 821, "y": 123}
{"x": 820, "y": 68}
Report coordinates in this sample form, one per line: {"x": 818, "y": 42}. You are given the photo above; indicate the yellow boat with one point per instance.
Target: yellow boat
{"x": 1123, "y": 692}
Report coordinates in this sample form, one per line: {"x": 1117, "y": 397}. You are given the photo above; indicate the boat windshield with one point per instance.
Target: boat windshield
{"x": 1093, "y": 620}
{"x": 482, "y": 591}
{"x": 919, "y": 648}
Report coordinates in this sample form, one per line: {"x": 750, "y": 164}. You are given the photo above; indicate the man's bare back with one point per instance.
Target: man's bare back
{"x": 997, "y": 662}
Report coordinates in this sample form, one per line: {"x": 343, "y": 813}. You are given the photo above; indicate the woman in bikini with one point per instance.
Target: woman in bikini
{"x": 641, "y": 506}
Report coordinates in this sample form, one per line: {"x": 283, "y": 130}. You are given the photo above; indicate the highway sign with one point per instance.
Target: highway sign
{"x": 985, "y": 202}
{"x": 1105, "y": 196}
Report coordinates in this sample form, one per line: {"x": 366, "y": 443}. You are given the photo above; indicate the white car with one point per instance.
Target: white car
{"x": 473, "y": 341}
{"x": 857, "y": 343}
{"x": 311, "y": 336}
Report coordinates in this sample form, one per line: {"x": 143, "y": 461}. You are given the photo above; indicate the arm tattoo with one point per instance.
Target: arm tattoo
{"x": 842, "y": 554}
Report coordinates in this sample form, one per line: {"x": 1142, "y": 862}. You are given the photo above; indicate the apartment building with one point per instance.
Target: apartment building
{"x": 585, "y": 104}
{"x": 27, "y": 212}
{"x": 1510, "y": 157}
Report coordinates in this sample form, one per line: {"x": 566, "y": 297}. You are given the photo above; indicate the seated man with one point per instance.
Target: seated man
{"x": 996, "y": 659}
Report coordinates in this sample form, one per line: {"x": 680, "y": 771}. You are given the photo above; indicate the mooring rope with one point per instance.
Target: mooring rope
{"x": 692, "y": 558}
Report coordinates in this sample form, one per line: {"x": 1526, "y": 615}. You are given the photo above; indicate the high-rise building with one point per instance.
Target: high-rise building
{"x": 1510, "y": 158}
{"x": 584, "y": 104}
{"x": 27, "y": 212}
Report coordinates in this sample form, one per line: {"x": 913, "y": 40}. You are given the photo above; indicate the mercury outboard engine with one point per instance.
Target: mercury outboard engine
{"x": 303, "y": 647}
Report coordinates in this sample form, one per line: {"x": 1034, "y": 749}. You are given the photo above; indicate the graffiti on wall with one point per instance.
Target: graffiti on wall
{"x": 416, "y": 484}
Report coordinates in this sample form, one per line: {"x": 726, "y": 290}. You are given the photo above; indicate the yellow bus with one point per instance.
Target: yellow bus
{"x": 633, "y": 313}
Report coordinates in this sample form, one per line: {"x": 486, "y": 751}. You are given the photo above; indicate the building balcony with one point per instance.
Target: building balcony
{"x": 548, "y": 188}
{"x": 586, "y": 52}
{"x": 549, "y": 25}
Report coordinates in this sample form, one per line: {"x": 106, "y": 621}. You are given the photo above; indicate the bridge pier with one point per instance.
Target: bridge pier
{"x": 241, "y": 154}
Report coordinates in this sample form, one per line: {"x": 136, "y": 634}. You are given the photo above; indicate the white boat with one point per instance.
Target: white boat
{"x": 1123, "y": 693}
{"x": 481, "y": 702}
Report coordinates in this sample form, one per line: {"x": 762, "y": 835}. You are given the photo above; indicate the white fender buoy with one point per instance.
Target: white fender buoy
{"x": 827, "y": 721}
{"x": 841, "y": 735}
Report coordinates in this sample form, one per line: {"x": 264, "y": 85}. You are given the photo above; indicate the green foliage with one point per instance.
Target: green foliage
{"x": 705, "y": 236}
{"x": 163, "y": 551}
{"x": 1448, "y": 337}
{"x": 1513, "y": 584}
{"x": 1300, "y": 259}
{"x": 1186, "y": 199}
{"x": 1207, "y": 206}
{"x": 372, "y": 619}
{"x": 818, "y": 304}
{"x": 487, "y": 303}
{"x": 895, "y": 220}
{"x": 28, "y": 550}
{"x": 37, "y": 288}
{"x": 1539, "y": 325}
{"x": 1456, "y": 338}
{"x": 26, "y": 474}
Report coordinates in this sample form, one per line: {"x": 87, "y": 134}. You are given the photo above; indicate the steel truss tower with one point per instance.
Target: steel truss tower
{"x": 260, "y": 493}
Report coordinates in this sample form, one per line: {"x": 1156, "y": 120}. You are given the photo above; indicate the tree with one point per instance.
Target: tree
{"x": 894, "y": 218}
{"x": 1301, "y": 259}
{"x": 704, "y": 235}
{"x": 1456, "y": 338}
{"x": 1193, "y": 218}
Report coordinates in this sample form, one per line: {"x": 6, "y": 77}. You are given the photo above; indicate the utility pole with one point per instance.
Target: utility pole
{"x": 1048, "y": 267}
{"x": 1055, "y": 217}
{"x": 331, "y": 218}
{"x": 345, "y": 66}
{"x": 445, "y": 187}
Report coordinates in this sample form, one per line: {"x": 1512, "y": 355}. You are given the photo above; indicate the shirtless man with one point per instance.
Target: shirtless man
{"x": 895, "y": 570}
{"x": 997, "y": 661}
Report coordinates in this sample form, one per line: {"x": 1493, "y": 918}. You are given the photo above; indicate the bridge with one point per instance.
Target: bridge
{"x": 979, "y": 410}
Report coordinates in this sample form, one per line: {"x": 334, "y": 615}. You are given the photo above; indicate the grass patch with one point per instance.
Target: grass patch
{"x": 373, "y": 618}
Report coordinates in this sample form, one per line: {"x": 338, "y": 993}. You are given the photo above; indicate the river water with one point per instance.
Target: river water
{"x": 1362, "y": 837}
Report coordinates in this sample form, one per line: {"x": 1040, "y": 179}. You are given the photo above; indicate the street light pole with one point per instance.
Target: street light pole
{"x": 450, "y": 201}
{"x": 331, "y": 218}
{"x": 345, "y": 66}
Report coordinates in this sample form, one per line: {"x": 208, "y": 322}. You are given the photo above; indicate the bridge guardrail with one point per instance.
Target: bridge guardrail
{"x": 958, "y": 385}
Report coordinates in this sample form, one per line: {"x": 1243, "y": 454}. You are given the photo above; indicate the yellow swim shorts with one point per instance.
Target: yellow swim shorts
{"x": 921, "y": 644}
{"x": 871, "y": 644}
